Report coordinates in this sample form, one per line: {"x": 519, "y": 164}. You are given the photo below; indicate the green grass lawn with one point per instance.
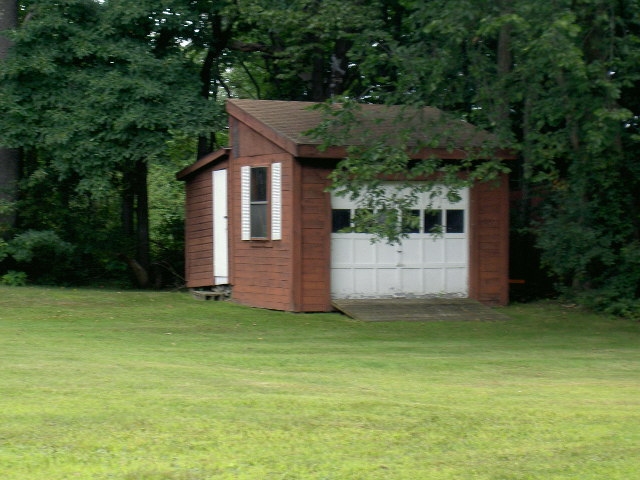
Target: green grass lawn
{"x": 129, "y": 385}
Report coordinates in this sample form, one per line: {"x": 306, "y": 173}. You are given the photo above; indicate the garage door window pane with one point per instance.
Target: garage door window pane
{"x": 455, "y": 221}
{"x": 432, "y": 221}
{"x": 341, "y": 220}
{"x": 411, "y": 221}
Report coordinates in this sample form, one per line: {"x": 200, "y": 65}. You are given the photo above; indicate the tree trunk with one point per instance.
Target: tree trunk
{"x": 9, "y": 158}
{"x": 339, "y": 67}
{"x": 503, "y": 68}
{"x": 206, "y": 79}
{"x": 220, "y": 37}
{"x": 142, "y": 215}
{"x": 318, "y": 76}
{"x": 135, "y": 221}
{"x": 128, "y": 206}
{"x": 8, "y": 21}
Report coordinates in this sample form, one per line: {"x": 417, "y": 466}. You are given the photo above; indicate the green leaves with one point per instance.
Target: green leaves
{"x": 94, "y": 87}
{"x": 94, "y": 98}
{"x": 558, "y": 82}
{"x": 91, "y": 90}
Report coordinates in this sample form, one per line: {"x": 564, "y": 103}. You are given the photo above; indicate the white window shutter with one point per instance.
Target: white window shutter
{"x": 276, "y": 201}
{"x": 245, "y": 202}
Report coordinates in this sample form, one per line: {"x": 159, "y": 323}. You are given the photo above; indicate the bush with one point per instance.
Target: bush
{"x": 38, "y": 244}
{"x": 3, "y": 249}
{"x": 40, "y": 254}
{"x": 14, "y": 279}
{"x": 616, "y": 290}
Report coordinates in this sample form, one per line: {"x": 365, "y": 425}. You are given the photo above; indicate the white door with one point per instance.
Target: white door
{"x": 220, "y": 236}
{"x": 426, "y": 263}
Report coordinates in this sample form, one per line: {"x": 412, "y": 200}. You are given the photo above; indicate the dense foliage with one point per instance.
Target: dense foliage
{"x": 104, "y": 98}
{"x": 92, "y": 93}
{"x": 559, "y": 83}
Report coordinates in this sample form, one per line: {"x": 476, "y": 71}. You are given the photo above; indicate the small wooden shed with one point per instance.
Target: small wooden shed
{"x": 260, "y": 220}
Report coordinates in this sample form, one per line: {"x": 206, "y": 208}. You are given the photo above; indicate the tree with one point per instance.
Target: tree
{"x": 559, "y": 83}
{"x": 310, "y": 42}
{"x": 591, "y": 236}
{"x": 419, "y": 59}
{"x": 95, "y": 90}
{"x": 8, "y": 156}
{"x": 290, "y": 50}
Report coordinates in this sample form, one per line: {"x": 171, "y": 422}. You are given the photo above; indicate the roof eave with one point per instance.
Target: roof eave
{"x": 202, "y": 162}
{"x": 337, "y": 152}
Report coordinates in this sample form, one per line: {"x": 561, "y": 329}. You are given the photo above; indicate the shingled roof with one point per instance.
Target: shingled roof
{"x": 286, "y": 123}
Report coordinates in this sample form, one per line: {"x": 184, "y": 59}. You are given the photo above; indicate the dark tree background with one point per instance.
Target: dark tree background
{"x": 106, "y": 99}
{"x": 8, "y": 156}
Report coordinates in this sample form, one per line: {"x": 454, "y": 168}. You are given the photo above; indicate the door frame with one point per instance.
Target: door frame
{"x": 220, "y": 228}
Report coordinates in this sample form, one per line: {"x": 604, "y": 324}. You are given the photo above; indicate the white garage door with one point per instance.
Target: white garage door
{"x": 423, "y": 264}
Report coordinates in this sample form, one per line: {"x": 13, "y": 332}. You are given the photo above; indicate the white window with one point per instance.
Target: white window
{"x": 261, "y": 199}
{"x": 344, "y": 220}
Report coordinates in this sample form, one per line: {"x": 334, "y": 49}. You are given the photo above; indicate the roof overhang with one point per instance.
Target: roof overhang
{"x": 203, "y": 162}
{"x": 339, "y": 152}
{"x": 273, "y": 120}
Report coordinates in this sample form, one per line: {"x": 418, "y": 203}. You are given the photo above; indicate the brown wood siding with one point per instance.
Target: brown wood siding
{"x": 263, "y": 269}
{"x": 199, "y": 230}
{"x": 248, "y": 143}
{"x": 315, "y": 254}
{"x": 489, "y": 243}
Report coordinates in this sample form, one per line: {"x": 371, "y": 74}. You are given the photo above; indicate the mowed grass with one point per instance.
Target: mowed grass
{"x": 130, "y": 385}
